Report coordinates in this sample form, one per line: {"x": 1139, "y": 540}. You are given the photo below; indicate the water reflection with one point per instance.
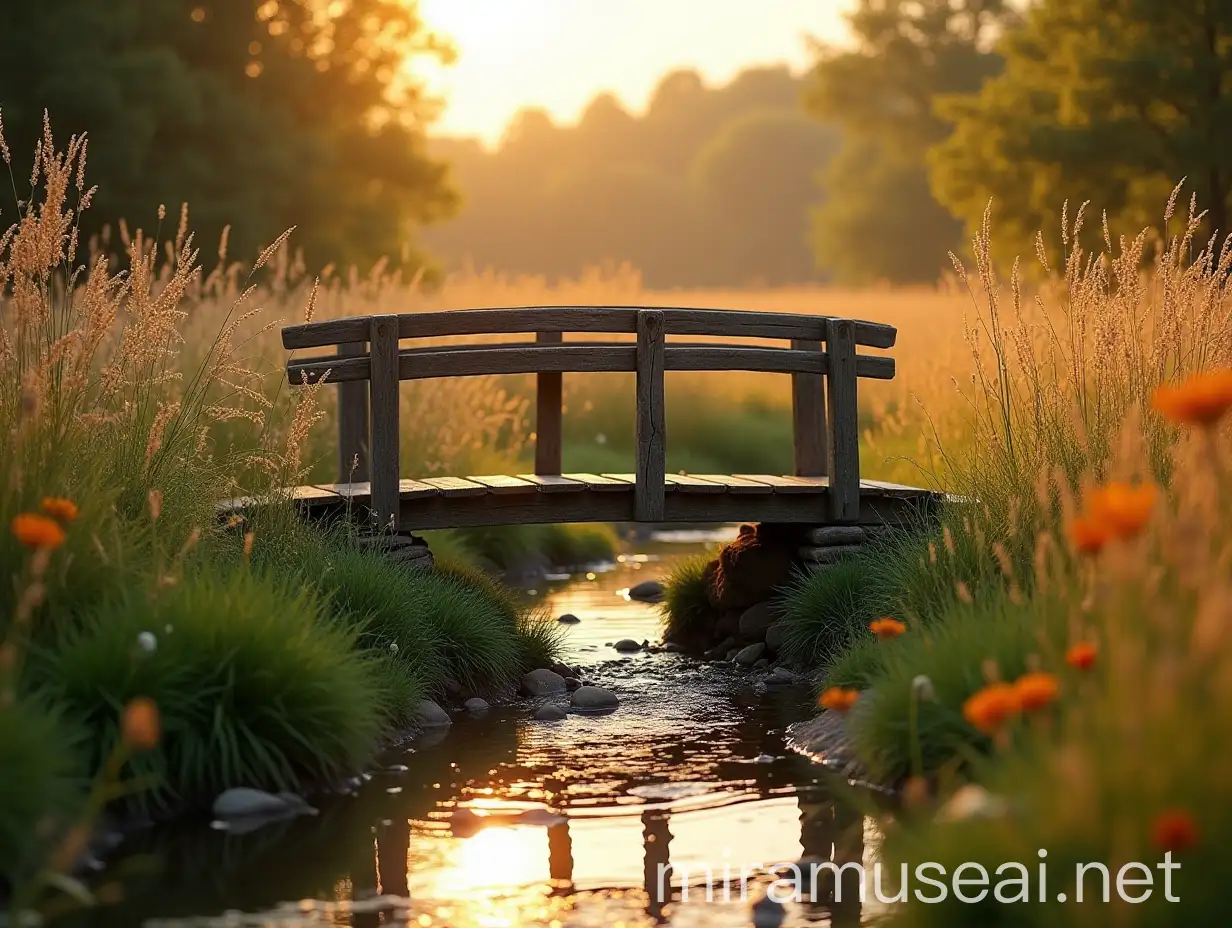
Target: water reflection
{"x": 637, "y": 817}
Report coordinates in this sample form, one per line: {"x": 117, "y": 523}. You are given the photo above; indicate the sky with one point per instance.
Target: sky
{"x": 558, "y": 54}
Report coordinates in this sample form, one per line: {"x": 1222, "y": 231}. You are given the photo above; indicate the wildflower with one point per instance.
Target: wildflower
{"x": 922, "y": 688}
{"x": 1081, "y": 656}
{"x": 36, "y": 531}
{"x": 58, "y": 508}
{"x": 1036, "y": 690}
{"x": 393, "y": 646}
{"x": 147, "y": 642}
{"x": 1123, "y": 508}
{"x": 1089, "y": 535}
{"x": 139, "y": 727}
{"x": 155, "y": 498}
{"x": 1174, "y": 830}
{"x": 839, "y": 699}
{"x": 234, "y": 520}
{"x": 993, "y": 706}
{"x": 886, "y": 628}
{"x": 1203, "y": 399}
{"x": 248, "y": 539}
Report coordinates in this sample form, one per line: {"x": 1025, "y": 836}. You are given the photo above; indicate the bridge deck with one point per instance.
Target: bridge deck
{"x": 456, "y": 502}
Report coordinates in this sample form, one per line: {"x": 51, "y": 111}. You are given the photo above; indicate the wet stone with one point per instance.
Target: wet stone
{"x": 749, "y": 656}
{"x": 569, "y": 619}
{"x": 648, "y": 591}
{"x": 627, "y": 645}
{"x": 476, "y": 706}
{"x": 594, "y": 698}
{"x": 430, "y": 715}
{"x": 550, "y": 713}
{"x": 542, "y": 682}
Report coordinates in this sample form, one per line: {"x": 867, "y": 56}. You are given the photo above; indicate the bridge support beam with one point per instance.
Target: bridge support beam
{"x": 386, "y": 499}
{"x": 843, "y": 435}
{"x": 651, "y": 486}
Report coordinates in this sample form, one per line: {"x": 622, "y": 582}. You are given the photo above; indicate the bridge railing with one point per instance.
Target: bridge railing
{"x": 370, "y": 363}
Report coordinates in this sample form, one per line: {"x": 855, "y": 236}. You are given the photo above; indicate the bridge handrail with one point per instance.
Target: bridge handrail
{"x": 740, "y": 323}
{"x": 369, "y": 365}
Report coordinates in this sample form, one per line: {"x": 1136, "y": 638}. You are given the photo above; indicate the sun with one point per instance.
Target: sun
{"x": 476, "y": 25}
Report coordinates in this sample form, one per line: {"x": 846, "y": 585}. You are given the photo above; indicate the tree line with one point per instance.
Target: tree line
{"x": 263, "y": 114}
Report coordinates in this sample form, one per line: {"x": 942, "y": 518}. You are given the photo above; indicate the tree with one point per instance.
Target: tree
{"x": 1112, "y": 101}
{"x": 750, "y": 180}
{"x": 881, "y": 93}
{"x": 261, "y": 114}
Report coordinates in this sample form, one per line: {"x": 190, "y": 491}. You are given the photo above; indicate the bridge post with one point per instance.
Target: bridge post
{"x": 808, "y": 418}
{"x": 548, "y": 401}
{"x": 843, "y": 439}
{"x": 384, "y": 377}
{"x": 650, "y": 489}
{"x": 353, "y": 450}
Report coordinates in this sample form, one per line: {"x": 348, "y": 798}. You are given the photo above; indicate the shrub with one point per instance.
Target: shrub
{"x": 256, "y": 685}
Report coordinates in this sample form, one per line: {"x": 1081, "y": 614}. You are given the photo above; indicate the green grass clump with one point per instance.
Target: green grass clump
{"x": 686, "y": 609}
{"x": 573, "y": 545}
{"x": 952, "y": 652}
{"x": 256, "y": 684}
{"x": 41, "y": 784}
{"x": 501, "y": 547}
{"x": 826, "y": 611}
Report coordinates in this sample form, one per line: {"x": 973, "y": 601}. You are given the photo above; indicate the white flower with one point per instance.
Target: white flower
{"x": 168, "y": 629}
{"x": 922, "y": 687}
{"x": 393, "y": 646}
{"x": 147, "y": 642}
{"x": 601, "y": 439}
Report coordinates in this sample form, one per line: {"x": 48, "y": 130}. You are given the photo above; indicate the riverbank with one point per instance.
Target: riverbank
{"x": 150, "y": 657}
{"x": 1045, "y": 673}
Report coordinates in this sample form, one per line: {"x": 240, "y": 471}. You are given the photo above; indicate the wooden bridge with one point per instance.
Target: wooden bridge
{"x": 820, "y": 353}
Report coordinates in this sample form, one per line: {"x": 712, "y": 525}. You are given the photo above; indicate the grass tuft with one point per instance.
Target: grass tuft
{"x": 256, "y": 684}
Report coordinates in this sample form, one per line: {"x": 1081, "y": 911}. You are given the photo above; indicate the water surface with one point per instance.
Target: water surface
{"x": 645, "y": 816}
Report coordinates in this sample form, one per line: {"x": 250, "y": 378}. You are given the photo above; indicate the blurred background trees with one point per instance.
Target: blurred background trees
{"x": 259, "y": 114}
{"x": 871, "y": 167}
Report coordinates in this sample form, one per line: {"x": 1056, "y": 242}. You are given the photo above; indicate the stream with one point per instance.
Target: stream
{"x": 645, "y": 816}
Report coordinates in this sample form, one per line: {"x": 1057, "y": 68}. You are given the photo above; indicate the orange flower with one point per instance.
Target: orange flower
{"x": 886, "y": 628}
{"x": 1089, "y": 535}
{"x": 1123, "y": 508}
{"x": 59, "y": 508}
{"x": 1036, "y": 690}
{"x": 839, "y": 699}
{"x": 993, "y": 706}
{"x": 36, "y": 531}
{"x": 139, "y": 727}
{"x": 1201, "y": 400}
{"x": 1081, "y": 656}
{"x": 1174, "y": 830}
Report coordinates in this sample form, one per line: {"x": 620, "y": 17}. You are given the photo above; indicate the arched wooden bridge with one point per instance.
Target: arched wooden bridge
{"x": 820, "y": 353}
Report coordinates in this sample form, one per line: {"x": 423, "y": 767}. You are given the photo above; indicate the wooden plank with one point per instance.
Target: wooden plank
{"x": 551, "y": 483}
{"x": 580, "y": 357}
{"x": 383, "y": 337}
{"x": 353, "y": 439}
{"x": 504, "y": 485}
{"x": 808, "y": 418}
{"x": 741, "y": 485}
{"x": 790, "y": 485}
{"x": 456, "y": 486}
{"x": 605, "y": 482}
{"x": 677, "y": 321}
{"x": 843, "y": 441}
{"x": 651, "y": 418}
{"x": 687, "y": 483}
{"x": 416, "y": 489}
{"x": 549, "y": 401}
